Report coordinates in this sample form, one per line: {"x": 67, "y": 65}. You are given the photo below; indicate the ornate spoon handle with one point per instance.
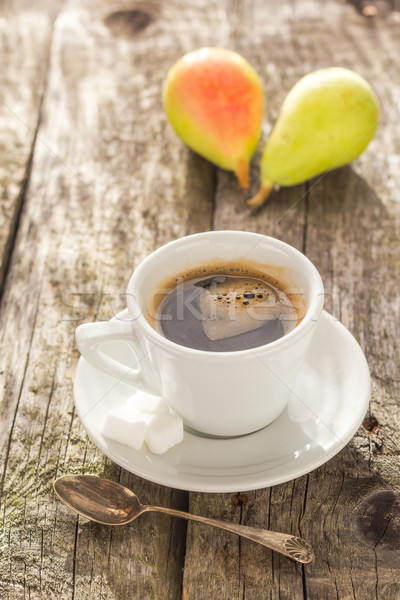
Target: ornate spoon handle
{"x": 289, "y": 545}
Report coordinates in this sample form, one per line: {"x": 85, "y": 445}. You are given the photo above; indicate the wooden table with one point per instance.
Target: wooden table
{"x": 93, "y": 179}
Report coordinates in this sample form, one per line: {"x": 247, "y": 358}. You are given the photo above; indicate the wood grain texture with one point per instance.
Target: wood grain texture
{"x": 25, "y": 32}
{"x": 107, "y": 184}
{"x": 347, "y": 222}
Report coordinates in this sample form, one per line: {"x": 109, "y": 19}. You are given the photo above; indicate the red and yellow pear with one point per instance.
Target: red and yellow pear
{"x": 214, "y": 101}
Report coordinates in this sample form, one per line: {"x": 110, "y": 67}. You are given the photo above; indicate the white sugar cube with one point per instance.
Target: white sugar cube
{"x": 126, "y": 425}
{"x": 147, "y": 403}
{"x": 144, "y": 417}
{"x": 164, "y": 431}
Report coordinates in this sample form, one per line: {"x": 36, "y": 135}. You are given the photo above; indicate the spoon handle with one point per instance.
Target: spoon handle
{"x": 289, "y": 545}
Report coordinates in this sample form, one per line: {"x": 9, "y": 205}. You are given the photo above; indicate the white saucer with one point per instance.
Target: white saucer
{"x": 324, "y": 412}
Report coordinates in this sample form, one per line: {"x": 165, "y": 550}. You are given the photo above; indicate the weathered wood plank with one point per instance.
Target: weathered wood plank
{"x": 25, "y": 30}
{"x": 109, "y": 183}
{"x": 347, "y": 222}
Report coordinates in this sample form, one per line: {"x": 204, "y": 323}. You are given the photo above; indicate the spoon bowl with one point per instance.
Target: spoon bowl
{"x": 98, "y": 499}
{"x": 111, "y": 503}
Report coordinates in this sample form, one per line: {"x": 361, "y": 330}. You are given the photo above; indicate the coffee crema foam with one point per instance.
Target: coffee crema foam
{"x": 226, "y": 306}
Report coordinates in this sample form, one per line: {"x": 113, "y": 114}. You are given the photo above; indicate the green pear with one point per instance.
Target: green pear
{"x": 327, "y": 119}
{"x": 214, "y": 101}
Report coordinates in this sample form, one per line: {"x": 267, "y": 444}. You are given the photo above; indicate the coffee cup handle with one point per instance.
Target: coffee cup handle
{"x": 90, "y": 338}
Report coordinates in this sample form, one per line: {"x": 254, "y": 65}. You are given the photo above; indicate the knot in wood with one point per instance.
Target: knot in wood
{"x": 378, "y": 520}
{"x": 127, "y": 23}
{"x": 239, "y": 500}
{"x": 370, "y": 424}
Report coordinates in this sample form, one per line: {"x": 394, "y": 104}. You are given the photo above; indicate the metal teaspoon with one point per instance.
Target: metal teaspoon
{"x": 110, "y": 503}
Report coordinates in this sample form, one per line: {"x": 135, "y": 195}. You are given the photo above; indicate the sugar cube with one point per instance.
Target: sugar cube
{"x": 163, "y": 432}
{"x": 141, "y": 418}
{"x": 126, "y": 425}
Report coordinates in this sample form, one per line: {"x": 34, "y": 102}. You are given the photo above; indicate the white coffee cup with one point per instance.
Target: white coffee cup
{"x": 216, "y": 393}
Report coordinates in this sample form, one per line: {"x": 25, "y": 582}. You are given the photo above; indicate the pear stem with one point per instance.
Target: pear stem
{"x": 242, "y": 173}
{"x": 261, "y": 196}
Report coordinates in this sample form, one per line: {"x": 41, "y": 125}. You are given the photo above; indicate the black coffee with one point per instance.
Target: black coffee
{"x": 221, "y": 312}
